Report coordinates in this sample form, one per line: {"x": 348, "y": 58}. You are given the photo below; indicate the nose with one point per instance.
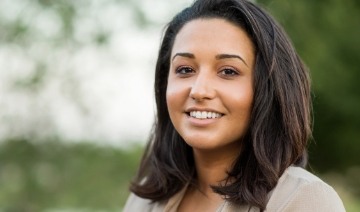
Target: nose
{"x": 202, "y": 88}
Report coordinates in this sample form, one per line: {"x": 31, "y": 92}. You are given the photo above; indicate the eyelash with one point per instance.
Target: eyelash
{"x": 234, "y": 72}
{"x": 185, "y": 71}
{"x": 182, "y": 68}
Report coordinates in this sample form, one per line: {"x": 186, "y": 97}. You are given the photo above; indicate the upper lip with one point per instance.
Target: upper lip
{"x": 188, "y": 110}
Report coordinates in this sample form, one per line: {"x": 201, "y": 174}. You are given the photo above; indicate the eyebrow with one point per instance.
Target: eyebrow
{"x": 226, "y": 56}
{"x": 184, "y": 54}
{"x": 218, "y": 57}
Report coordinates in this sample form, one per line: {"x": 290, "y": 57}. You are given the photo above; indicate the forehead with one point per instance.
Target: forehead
{"x": 211, "y": 29}
{"x": 213, "y": 35}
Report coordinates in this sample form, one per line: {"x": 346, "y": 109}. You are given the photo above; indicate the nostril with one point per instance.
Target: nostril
{"x": 202, "y": 92}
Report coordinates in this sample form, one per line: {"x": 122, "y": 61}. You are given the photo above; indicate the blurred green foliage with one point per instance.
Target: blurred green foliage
{"x": 326, "y": 35}
{"x": 56, "y": 175}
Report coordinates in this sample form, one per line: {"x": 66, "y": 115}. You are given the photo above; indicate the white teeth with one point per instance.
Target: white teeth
{"x": 198, "y": 114}
{"x": 204, "y": 115}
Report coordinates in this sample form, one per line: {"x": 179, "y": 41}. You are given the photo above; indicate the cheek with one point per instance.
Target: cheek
{"x": 175, "y": 99}
{"x": 175, "y": 96}
{"x": 244, "y": 99}
{"x": 241, "y": 102}
{"x": 170, "y": 101}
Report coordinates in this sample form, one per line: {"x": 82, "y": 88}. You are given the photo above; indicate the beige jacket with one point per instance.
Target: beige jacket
{"x": 297, "y": 190}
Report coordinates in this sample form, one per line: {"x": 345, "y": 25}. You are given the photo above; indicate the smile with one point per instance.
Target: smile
{"x": 204, "y": 115}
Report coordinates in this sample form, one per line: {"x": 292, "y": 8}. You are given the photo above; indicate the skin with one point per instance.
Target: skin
{"x": 211, "y": 69}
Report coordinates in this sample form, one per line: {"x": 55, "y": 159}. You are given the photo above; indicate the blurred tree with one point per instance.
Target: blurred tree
{"x": 39, "y": 43}
{"x": 48, "y": 49}
{"x": 326, "y": 35}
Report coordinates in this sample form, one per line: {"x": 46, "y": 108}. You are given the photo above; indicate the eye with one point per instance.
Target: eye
{"x": 228, "y": 72}
{"x": 184, "y": 70}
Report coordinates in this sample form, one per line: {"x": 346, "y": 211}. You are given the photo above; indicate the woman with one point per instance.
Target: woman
{"x": 233, "y": 118}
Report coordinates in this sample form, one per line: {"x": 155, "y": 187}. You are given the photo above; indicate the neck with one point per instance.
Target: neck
{"x": 212, "y": 167}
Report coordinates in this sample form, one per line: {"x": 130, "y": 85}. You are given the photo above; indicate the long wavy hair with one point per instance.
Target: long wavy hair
{"x": 280, "y": 122}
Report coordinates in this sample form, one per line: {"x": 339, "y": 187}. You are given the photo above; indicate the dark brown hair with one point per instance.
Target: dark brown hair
{"x": 280, "y": 124}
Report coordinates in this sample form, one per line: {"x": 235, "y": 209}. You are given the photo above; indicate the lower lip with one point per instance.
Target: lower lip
{"x": 201, "y": 122}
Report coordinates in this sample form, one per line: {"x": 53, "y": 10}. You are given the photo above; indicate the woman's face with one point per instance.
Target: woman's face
{"x": 210, "y": 85}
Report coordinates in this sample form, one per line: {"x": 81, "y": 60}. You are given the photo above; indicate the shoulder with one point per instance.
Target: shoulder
{"x": 136, "y": 203}
{"x": 300, "y": 190}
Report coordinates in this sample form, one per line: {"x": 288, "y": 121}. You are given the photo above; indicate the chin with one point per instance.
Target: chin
{"x": 202, "y": 143}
